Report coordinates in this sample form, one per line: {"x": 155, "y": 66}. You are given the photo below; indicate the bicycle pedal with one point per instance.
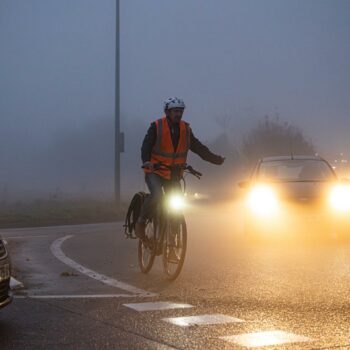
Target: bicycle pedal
{"x": 174, "y": 260}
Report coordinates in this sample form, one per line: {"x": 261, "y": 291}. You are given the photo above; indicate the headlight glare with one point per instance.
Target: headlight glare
{"x": 340, "y": 198}
{"x": 262, "y": 200}
{"x": 176, "y": 202}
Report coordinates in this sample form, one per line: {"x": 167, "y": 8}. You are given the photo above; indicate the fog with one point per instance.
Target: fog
{"x": 242, "y": 59}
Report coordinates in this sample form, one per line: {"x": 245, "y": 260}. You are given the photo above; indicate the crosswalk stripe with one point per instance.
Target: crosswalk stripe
{"x": 156, "y": 306}
{"x": 201, "y": 320}
{"x": 267, "y": 338}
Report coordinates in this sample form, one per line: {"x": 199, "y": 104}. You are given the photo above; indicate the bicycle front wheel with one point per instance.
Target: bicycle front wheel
{"x": 174, "y": 247}
{"x": 147, "y": 247}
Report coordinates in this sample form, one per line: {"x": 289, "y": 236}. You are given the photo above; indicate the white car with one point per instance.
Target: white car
{"x": 295, "y": 194}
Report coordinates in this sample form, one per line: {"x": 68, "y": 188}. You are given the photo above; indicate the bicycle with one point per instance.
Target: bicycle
{"x": 166, "y": 231}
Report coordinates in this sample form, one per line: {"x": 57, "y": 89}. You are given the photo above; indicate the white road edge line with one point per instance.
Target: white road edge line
{"x": 58, "y": 253}
{"x": 25, "y": 237}
{"x": 75, "y": 296}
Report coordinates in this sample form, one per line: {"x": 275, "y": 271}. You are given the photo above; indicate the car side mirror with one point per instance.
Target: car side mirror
{"x": 243, "y": 184}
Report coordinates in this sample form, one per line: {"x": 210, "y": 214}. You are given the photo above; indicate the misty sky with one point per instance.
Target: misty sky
{"x": 225, "y": 57}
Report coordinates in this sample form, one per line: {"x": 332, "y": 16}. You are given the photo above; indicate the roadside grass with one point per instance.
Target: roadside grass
{"x": 49, "y": 212}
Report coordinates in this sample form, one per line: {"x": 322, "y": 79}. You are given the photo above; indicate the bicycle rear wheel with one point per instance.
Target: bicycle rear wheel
{"x": 174, "y": 247}
{"x": 147, "y": 247}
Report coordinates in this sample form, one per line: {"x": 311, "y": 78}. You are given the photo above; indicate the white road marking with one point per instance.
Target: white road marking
{"x": 277, "y": 337}
{"x": 15, "y": 284}
{"x": 75, "y": 296}
{"x": 58, "y": 253}
{"x": 25, "y": 237}
{"x": 156, "y": 306}
{"x": 201, "y": 320}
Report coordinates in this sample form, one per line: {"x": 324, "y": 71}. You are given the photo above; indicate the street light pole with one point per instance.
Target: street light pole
{"x": 118, "y": 139}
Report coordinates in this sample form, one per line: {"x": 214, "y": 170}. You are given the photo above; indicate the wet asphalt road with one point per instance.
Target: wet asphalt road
{"x": 300, "y": 289}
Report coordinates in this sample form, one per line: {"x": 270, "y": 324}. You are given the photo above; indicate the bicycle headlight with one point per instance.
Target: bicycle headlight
{"x": 262, "y": 200}
{"x": 340, "y": 198}
{"x": 176, "y": 202}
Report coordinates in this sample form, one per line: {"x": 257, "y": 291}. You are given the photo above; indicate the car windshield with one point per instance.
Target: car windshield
{"x": 295, "y": 170}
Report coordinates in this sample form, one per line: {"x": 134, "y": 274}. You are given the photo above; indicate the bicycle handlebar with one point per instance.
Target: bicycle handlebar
{"x": 184, "y": 167}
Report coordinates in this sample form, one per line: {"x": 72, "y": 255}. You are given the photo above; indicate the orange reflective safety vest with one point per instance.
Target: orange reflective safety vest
{"x": 163, "y": 150}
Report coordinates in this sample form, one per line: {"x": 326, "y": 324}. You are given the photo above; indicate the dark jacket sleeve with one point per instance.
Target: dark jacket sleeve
{"x": 203, "y": 151}
{"x": 148, "y": 143}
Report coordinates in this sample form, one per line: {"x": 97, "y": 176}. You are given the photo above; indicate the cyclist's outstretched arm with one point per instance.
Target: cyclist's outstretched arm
{"x": 203, "y": 151}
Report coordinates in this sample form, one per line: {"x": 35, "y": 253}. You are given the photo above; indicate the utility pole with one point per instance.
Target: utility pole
{"x": 119, "y": 138}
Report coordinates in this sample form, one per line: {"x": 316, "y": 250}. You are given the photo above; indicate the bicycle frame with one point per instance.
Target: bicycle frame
{"x": 169, "y": 229}
{"x": 163, "y": 213}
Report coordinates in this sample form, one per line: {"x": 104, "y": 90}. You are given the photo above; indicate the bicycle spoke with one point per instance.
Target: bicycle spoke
{"x": 147, "y": 251}
{"x": 174, "y": 248}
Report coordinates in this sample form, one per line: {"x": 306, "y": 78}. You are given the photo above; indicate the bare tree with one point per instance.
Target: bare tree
{"x": 274, "y": 137}
{"x": 225, "y": 122}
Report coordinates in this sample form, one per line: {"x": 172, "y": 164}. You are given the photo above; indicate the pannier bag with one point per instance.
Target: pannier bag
{"x": 133, "y": 214}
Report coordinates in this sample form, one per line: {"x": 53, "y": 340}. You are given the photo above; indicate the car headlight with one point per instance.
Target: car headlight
{"x": 340, "y": 198}
{"x": 176, "y": 202}
{"x": 262, "y": 200}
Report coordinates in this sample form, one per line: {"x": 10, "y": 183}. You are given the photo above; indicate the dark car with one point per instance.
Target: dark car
{"x": 295, "y": 194}
{"x": 5, "y": 272}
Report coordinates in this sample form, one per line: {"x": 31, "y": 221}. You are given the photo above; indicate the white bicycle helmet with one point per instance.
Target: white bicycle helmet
{"x": 173, "y": 102}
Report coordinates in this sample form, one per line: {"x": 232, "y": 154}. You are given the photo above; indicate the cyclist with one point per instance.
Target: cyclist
{"x": 167, "y": 141}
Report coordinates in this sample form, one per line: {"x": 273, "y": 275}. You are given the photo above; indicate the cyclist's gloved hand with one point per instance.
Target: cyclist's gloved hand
{"x": 148, "y": 165}
{"x": 218, "y": 160}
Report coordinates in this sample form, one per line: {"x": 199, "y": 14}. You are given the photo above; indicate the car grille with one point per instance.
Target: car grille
{"x": 305, "y": 203}
{"x": 2, "y": 250}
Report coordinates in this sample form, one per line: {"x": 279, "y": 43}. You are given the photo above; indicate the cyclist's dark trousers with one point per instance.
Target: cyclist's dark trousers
{"x": 155, "y": 184}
